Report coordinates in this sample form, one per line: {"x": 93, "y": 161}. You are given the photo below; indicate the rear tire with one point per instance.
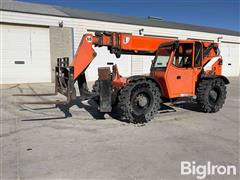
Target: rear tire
{"x": 211, "y": 94}
{"x": 139, "y": 101}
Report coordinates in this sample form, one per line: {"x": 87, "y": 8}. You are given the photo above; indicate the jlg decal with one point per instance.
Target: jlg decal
{"x": 89, "y": 39}
{"x": 126, "y": 40}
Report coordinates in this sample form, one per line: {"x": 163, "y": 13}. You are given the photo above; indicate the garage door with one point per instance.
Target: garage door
{"x": 25, "y": 54}
{"x": 231, "y": 59}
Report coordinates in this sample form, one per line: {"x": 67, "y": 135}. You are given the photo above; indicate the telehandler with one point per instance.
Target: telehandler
{"x": 181, "y": 68}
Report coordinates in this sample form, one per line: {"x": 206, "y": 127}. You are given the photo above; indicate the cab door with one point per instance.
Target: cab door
{"x": 180, "y": 72}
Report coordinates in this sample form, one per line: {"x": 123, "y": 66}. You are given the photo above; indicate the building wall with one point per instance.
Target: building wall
{"x": 141, "y": 64}
{"x": 61, "y": 45}
{"x": 137, "y": 64}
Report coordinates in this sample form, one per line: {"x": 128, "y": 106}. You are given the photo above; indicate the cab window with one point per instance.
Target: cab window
{"x": 162, "y": 57}
{"x": 183, "y": 56}
{"x": 198, "y": 54}
{"x": 161, "y": 61}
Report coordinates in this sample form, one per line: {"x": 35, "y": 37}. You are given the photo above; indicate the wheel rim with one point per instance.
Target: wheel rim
{"x": 141, "y": 102}
{"x": 213, "y": 96}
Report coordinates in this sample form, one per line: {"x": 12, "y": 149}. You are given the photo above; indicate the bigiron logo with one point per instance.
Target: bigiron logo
{"x": 201, "y": 171}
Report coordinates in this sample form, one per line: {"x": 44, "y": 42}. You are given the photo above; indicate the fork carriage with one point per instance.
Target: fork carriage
{"x": 64, "y": 81}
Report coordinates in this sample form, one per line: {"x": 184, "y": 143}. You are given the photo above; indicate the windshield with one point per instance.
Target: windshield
{"x": 162, "y": 57}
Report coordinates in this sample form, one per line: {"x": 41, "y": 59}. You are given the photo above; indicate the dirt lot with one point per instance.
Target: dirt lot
{"x": 78, "y": 142}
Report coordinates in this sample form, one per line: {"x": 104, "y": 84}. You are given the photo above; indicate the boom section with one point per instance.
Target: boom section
{"x": 117, "y": 43}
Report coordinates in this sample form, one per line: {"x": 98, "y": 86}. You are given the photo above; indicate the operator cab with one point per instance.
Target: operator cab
{"x": 176, "y": 65}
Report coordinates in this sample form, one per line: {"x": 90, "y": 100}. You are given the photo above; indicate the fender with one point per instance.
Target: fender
{"x": 142, "y": 77}
{"x": 224, "y": 78}
{"x": 211, "y": 62}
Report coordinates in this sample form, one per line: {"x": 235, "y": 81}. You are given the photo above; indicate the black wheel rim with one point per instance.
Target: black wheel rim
{"x": 141, "y": 102}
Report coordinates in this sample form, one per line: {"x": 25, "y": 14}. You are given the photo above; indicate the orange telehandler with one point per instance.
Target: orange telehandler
{"x": 181, "y": 68}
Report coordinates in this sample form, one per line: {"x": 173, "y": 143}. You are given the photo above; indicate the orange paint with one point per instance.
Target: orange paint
{"x": 176, "y": 81}
{"x": 84, "y": 55}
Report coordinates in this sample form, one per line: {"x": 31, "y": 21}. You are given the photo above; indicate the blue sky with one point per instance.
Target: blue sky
{"x": 213, "y": 13}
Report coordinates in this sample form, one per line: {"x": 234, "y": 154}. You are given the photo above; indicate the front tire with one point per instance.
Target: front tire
{"x": 139, "y": 101}
{"x": 211, "y": 94}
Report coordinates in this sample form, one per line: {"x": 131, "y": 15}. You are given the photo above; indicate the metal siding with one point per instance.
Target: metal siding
{"x": 80, "y": 26}
{"x": 137, "y": 65}
{"x": 140, "y": 64}
{"x": 147, "y": 62}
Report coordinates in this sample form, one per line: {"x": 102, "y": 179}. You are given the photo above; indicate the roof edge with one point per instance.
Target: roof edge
{"x": 113, "y": 18}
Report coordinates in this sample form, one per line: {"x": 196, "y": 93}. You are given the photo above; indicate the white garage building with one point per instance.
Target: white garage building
{"x": 32, "y": 37}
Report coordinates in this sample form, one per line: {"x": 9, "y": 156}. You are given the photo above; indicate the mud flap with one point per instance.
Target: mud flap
{"x": 105, "y": 89}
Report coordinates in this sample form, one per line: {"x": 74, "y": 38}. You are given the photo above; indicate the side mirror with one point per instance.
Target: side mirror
{"x": 118, "y": 54}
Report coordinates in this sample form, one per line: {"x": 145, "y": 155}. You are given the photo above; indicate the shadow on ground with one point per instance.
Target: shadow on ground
{"x": 191, "y": 106}
{"x": 92, "y": 109}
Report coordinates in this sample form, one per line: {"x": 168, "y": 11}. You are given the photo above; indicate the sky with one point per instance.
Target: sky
{"x": 212, "y": 13}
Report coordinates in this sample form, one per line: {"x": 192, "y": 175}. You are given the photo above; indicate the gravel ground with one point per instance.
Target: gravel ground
{"x": 78, "y": 142}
